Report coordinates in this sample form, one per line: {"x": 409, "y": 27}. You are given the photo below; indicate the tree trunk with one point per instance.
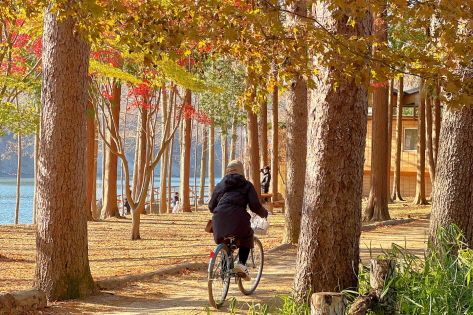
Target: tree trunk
{"x": 390, "y": 137}
{"x": 253, "y": 149}
{"x": 233, "y": 141}
{"x": 18, "y": 178}
{"x": 185, "y": 163}
{"x": 263, "y": 133}
{"x": 429, "y": 136}
{"x": 91, "y": 171}
{"x": 163, "y": 204}
{"x": 110, "y": 206}
{"x": 437, "y": 118}
{"x": 93, "y": 201}
{"x": 211, "y": 159}
{"x": 36, "y": 152}
{"x": 275, "y": 144}
{"x": 170, "y": 169}
{"x": 419, "y": 198}
{"x": 141, "y": 155}
{"x": 296, "y": 151}
{"x": 396, "y": 193}
{"x": 203, "y": 164}
{"x": 224, "y": 146}
{"x": 328, "y": 248}
{"x": 377, "y": 207}
{"x": 62, "y": 264}
{"x": 453, "y": 187}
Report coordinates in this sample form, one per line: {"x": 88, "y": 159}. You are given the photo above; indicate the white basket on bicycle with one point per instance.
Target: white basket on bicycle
{"x": 259, "y": 225}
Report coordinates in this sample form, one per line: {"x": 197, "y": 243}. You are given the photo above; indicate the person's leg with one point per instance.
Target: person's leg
{"x": 243, "y": 254}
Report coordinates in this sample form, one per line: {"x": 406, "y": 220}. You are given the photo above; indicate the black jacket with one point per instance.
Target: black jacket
{"x": 266, "y": 179}
{"x": 228, "y": 205}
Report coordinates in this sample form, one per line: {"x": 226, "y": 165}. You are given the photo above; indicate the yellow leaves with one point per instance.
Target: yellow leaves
{"x": 107, "y": 71}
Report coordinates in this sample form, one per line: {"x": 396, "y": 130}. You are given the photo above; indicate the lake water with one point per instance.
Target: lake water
{"x": 8, "y": 197}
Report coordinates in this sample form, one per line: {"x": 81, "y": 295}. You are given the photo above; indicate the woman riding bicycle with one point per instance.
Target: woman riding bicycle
{"x": 228, "y": 204}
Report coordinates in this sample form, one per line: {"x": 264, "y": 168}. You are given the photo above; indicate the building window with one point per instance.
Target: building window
{"x": 410, "y": 139}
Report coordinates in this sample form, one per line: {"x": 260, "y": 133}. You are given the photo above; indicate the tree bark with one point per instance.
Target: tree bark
{"x": 62, "y": 265}
{"x": 328, "y": 248}
{"x": 437, "y": 118}
{"x": 163, "y": 204}
{"x": 419, "y": 198}
{"x": 377, "y": 207}
{"x": 233, "y": 141}
{"x": 224, "y": 146}
{"x": 211, "y": 159}
{"x": 110, "y": 206}
{"x": 390, "y": 137}
{"x": 296, "y": 151}
{"x": 275, "y": 144}
{"x": 263, "y": 133}
{"x": 396, "y": 193}
{"x": 429, "y": 136}
{"x": 185, "y": 163}
{"x": 141, "y": 154}
{"x": 453, "y": 187}
{"x": 203, "y": 164}
{"x": 253, "y": 151}
{"x": 36, "y": 152}
{"x": 18, "y": 178}
{"x": 90, "y": 162}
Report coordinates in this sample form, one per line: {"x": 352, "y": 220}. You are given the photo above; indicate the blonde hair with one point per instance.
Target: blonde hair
{"x": 235, "y": 167}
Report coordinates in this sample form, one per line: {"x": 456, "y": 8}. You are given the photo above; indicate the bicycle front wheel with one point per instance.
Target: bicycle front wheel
{"x": 219, "y": 276}
{"x": 254, "y": 264}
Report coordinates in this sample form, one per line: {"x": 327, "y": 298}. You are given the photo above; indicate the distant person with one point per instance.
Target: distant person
{"x": 175, "y": 202}
{"x": 126, "y": 206}
{"x": 228, "y": 204}
{"x": 266, "y": 180}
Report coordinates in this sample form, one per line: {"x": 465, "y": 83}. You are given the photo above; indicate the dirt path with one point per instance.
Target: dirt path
{"x": 186, "y": 293}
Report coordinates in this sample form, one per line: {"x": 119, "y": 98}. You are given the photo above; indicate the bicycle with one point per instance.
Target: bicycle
{"x": 220, "y": 270}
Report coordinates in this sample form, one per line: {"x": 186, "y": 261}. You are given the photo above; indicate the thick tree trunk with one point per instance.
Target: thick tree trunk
{"x": 328, "y": 250}
{"x": 110, "y": 206}
{"x": 452, "y": 199}
{"x": 275, "y": 144}
{"x": 429, "y": 140}
{"x": 263, "y": 133}
{"x": 419, "y": 198}
{"x": 377, "y": 207}
{"x": 224, "y": 146}
{"x": 203, "y": 166}
{"x": 62, "y": 265}
{"x": 18, "y": 178}
{"x": 163, "y": 204}
{"x": 185, "y": 163}
{"x": 390, "y": 136}
{"x": 211, "y": 159}
{"x": 396, "y": 193}
{"x": 233, "y": 141}
{"x": 91, "y": 171}
{"x": 253, "y": 151}
{"x": 296, "y": 151}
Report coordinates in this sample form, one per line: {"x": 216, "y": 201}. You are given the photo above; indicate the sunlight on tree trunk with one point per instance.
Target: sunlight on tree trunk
{"x": 263, "y": 133}
{"x": 275, "y": 143}
{"x": 90, "y": 161}
{"x": 419, "y": 198}
{"x": 163, "y": 204}
{"x": 253, "y": 149}
{"x": 396, "y": 193}
{"x": 185, "y": 162}
{"x": 211, "y": 159}
{"x": 429, "y": 135}
{"x": 203, "y": 165}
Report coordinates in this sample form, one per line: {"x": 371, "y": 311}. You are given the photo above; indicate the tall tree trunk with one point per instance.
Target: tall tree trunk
{"x": 437, "y": 118}
{"x": 419, "y": 198}
{"x": 296, "y": 151}
{"x": 263, "y": 133}
{"x": 275, "y": 144}
{"x": 203, "y": 165}
{"x": 396, "y": 193}
{"x": 62, "y": 264}
{"x": 163, "y": 204}
{"x": 211, "y": 159}
{"x": 91, "y": 164}
{"x": 18, "y": 178}
{"x": 36, "y": 158}
{"x": 453, "y": 187}
{"x": 185, "y": 163}
{"x": 110, "y": 206}
{"x": 171, "y": 148}
{"x": 142, "y": 148}
{"x": 93, "y": 201}
{"x": 328, "y": 250}
{"x": 377, "y": 207}
{"x": 390, "y": 136}
{"x": 233, "y": 141}
{"x": 253, "y": 149}
{"x": 224, "y": 146}
{"x": 428, "y": 137}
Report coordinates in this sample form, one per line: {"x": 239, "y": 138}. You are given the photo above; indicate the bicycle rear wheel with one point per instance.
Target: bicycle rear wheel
{"x": 254, "y": 264}
{"x": 219, "y": 276}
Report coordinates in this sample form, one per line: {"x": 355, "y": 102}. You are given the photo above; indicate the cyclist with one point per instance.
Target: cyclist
{"x": 228, "y": 204}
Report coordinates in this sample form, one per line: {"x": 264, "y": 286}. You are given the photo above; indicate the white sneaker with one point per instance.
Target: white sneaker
{"x": 242, "y": 271}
